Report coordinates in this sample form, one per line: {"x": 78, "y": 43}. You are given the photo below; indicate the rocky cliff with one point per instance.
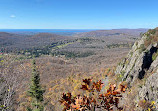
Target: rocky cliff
{"x": 140, "y": 71}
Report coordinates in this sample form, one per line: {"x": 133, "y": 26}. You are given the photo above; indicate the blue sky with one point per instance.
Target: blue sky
{"x": 78, "y": 14}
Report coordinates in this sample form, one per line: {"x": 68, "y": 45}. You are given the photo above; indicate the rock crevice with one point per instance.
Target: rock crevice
{"x": 147, "y": 61}
{"x": 141, "y": 70}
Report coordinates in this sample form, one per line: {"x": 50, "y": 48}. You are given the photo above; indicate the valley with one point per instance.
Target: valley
{"x": 62, "y": 61}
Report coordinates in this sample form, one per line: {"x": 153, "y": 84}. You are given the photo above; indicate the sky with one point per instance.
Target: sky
{"x": 78, "y": 14}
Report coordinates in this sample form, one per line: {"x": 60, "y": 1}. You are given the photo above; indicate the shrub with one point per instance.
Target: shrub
{"x": 147, "y": 43}
{"x": 107, "y": 100}
{"x": 152, "y": 37}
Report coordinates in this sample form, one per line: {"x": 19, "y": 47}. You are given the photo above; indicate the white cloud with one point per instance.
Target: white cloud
{"x": 12, "y": 16}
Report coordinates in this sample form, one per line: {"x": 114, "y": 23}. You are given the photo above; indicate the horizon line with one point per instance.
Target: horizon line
{"x": 70, "y": 29}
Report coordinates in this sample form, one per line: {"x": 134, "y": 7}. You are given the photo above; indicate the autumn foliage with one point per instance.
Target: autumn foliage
{"x": 104, "y": 100}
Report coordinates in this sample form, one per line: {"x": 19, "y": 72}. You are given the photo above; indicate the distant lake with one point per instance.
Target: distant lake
{"x": 56, "y": 31}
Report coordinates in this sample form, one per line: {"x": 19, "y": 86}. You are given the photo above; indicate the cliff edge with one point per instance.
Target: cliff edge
{"x": 140, "y": 71}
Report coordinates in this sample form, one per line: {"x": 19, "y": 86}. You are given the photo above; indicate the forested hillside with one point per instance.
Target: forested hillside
{"x": 65, "y": 64}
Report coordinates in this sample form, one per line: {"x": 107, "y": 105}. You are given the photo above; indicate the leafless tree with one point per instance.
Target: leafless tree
{"x": 8, "y": 85}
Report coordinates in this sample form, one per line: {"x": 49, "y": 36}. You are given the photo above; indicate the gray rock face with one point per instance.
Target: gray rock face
{"x": 138, "y": 63}
{"x": 154, "y": 65}
{"x": 150, "y": 90}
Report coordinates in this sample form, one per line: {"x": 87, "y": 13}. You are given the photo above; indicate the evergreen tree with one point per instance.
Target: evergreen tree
{"x": 36, "y": 91}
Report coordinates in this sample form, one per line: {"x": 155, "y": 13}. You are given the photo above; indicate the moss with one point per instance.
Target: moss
{"x": 151, "y": 88}
{"x": 141, "y": 48}
{"x": 120, "y": 76}
{"x": 140, "y": 86}
{"x": 154, "y": 56}
{"x": 126, "y": 62}
{"x": 136, "y": 43}
{"x": 131, "y": 53}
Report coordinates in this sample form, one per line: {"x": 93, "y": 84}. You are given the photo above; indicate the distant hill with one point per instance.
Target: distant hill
{"x": 7, "y": 39}
{"x": 47, "y": 36}
{"x": 13, "y": 41}
{"x": 113, "y": 32}
{"x": 44, "y": 39}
